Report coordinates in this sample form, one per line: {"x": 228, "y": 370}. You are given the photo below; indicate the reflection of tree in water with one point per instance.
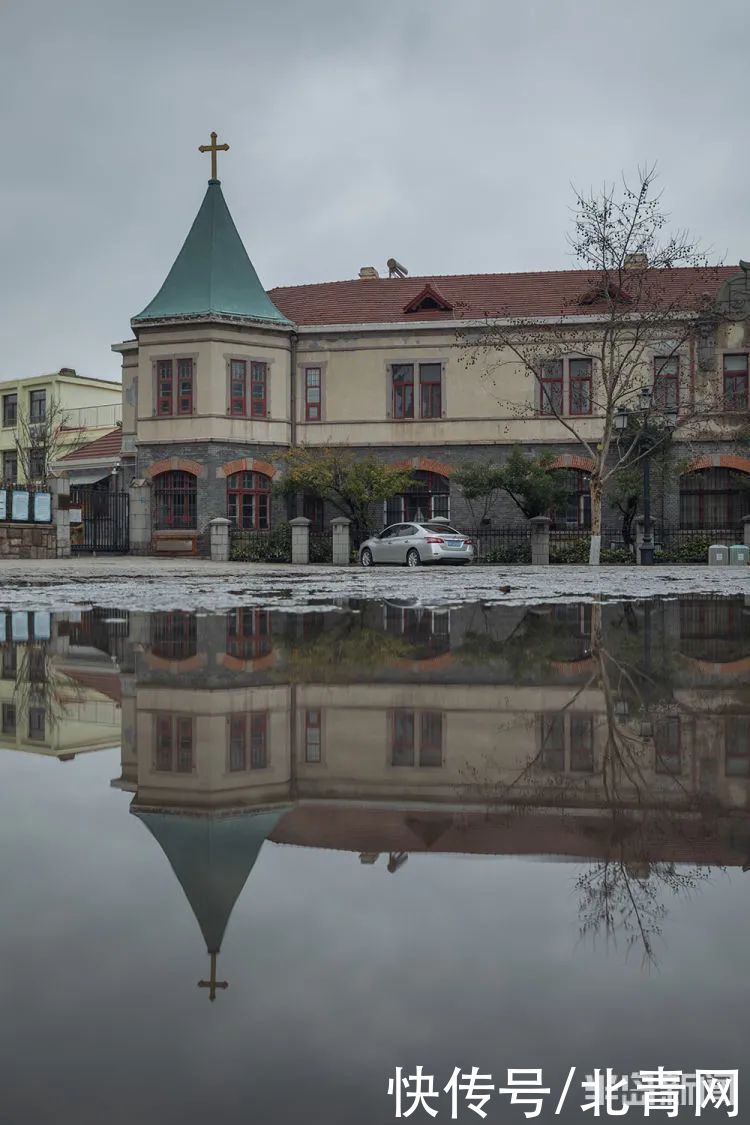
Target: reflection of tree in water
{"x": 42, "y": 693}
{"x": 339, "y": 649}
{"x": 624, "y": 894}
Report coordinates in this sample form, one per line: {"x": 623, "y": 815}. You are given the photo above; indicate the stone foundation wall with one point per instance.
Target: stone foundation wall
{"x": 27, "y": 541}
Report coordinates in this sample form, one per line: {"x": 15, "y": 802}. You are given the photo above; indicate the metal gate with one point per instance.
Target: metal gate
{"x": 104, "y": 526}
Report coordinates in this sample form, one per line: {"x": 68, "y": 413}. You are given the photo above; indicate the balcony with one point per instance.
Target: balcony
{"x": 94, "y": 417}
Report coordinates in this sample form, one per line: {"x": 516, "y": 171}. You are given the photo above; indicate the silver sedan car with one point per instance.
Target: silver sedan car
{"x": 412, "y": 544}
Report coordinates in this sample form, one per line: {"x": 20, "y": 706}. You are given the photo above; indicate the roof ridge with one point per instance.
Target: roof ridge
{"x": 463, "y": 276}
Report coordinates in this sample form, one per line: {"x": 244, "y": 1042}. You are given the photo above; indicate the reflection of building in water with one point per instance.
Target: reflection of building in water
{"x": 607, "y": 734}
{"x": 56, "y": 698}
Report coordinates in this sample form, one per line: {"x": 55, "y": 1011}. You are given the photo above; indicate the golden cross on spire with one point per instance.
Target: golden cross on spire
{"x": 213, "y": 148}
{"x": 212, "y": 983}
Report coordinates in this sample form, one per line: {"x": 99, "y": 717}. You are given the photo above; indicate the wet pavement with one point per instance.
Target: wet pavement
{"x": 255, "y": 861}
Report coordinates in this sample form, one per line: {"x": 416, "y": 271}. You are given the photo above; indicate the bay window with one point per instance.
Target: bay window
{"x": 174, "y": 387}
{"x": 248, "y": 389}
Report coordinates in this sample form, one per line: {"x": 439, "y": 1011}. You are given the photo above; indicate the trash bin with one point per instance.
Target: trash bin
{"x": 718, "y": 555}
{"x": 739, "y": 555}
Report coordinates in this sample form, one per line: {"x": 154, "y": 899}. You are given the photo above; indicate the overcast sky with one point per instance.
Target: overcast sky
{"x": 445, "y": 134}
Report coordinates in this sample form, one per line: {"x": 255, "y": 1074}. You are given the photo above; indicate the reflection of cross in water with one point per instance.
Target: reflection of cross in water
{"x": 213, "y": 983}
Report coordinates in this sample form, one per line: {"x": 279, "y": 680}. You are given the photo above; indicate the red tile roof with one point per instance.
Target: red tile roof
{"x": 382, "y": 300}
{"x": 104, "y": 447}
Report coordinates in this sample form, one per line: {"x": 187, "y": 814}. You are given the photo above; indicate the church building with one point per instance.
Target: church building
{"x": 221, "y": 377}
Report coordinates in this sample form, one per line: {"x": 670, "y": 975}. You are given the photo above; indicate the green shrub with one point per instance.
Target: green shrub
{"x": 617, "y": 556}
{"x": 570, "y": 552}
{"x": 512, "y": 554}
{"x": 693, "y": 549}
{"x": 262, "y": 546}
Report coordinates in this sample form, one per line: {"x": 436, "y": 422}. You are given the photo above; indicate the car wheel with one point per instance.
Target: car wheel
{"x": 366, "y": 557}
{"x": 412, "y": 557}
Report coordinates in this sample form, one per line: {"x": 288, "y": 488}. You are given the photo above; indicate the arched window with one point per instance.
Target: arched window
{"x": 714, "y": 499}
{"x": 575, "y": 511}
{"x": 249, "y": 500}
{"x": 175, "y": 501}
{"x": 428, "y": 497}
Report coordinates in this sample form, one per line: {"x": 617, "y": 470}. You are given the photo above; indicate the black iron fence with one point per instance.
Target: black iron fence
{"x": 567, "y": 545}
{"x": 25, "y": 503}
{"x": 249, "y": 545}
{"x": 675, "y": 545}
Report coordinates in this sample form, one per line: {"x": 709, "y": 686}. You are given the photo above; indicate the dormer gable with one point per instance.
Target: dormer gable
{"x": 428, "y": 300}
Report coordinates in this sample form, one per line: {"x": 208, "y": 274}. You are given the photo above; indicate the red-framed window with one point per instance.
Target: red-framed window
{"x": 552, "y": 742}
{"x": 551, "y": 387}
{"x": 258, "y": 389}
{"x": 173, "y": 634}
{"x": 313, "y": 382}
{"x": 431, "y": 739}
{"x": 402, "y": 738}
{"x": 402, "y": 383}
{"x": 582, "y": 743}
{"x": 174, "y": 387}
{"x": 666, "y": 382}
{"x": 313, "y": 743}
{"x": 668, "y": 745}
{"x": 575, "y": 511}
{"x": 430, "y": 396}
{"x": 248, "y": 397}
{"x": 735, "y": 382}
{"x": 237, "y": 387}
{"x": 579, "y": 386}
{"x": 713, "y": 499}
{"x": 175, "y": 496}
{"x": 248, "y": 741}
{"x": 174, "y": 744}
{"x": 249, "y": 500}
{"x": 736, "y": 746}
{"x": 426, "y": 498}
{"x": 248, "y": 633}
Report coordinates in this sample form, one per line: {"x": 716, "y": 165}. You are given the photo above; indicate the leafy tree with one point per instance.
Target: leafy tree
{"x": 532, "y": 484}
{"x": 351, "y": 484}
{"x": 479, "y": 483}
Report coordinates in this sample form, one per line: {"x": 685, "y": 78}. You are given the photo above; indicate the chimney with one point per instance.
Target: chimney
{"x": 367, "y": 272}
{"x": 67, "y": 371}
{"x": 636, "y": 261}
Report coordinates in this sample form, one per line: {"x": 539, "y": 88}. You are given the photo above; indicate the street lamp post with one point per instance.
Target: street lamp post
{"x": 622, "y": 419}
{"x": 647, "y": 547}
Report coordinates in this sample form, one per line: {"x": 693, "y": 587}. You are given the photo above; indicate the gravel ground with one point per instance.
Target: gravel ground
{"x": 152, "y": 583}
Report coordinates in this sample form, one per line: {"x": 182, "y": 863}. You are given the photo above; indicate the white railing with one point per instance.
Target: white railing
{"x": 94, "y": 417}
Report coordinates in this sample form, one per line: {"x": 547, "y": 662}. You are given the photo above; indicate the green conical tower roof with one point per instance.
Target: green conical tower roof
{"x": 212, "y": 275}
{"x": 212, "y": 857}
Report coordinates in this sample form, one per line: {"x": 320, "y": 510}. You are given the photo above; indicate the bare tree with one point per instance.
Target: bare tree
{"x": 41, "y": 441}
{"x": 633, "y": 305}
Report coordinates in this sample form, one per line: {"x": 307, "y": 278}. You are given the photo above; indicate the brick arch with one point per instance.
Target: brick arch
{"x": 246, "y": 465}
{"x": 717, "y": 461}
{"x": 426, "y": 465}
{"x": 573, "y": 461}
{"x": 171, "y": 463}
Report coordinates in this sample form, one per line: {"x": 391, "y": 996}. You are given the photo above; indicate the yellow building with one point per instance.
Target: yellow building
{"x": 69, "y": 409}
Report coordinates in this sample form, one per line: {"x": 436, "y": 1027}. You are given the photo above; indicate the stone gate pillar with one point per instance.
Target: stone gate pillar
{"x": 59, "y": 486}
{"x": 539, "y": 531}
{"x": 300, "y": 540}
{"x": 342, "y": 540}
{"x": 140, "y": 517}
{"x": 219, "y": 532}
